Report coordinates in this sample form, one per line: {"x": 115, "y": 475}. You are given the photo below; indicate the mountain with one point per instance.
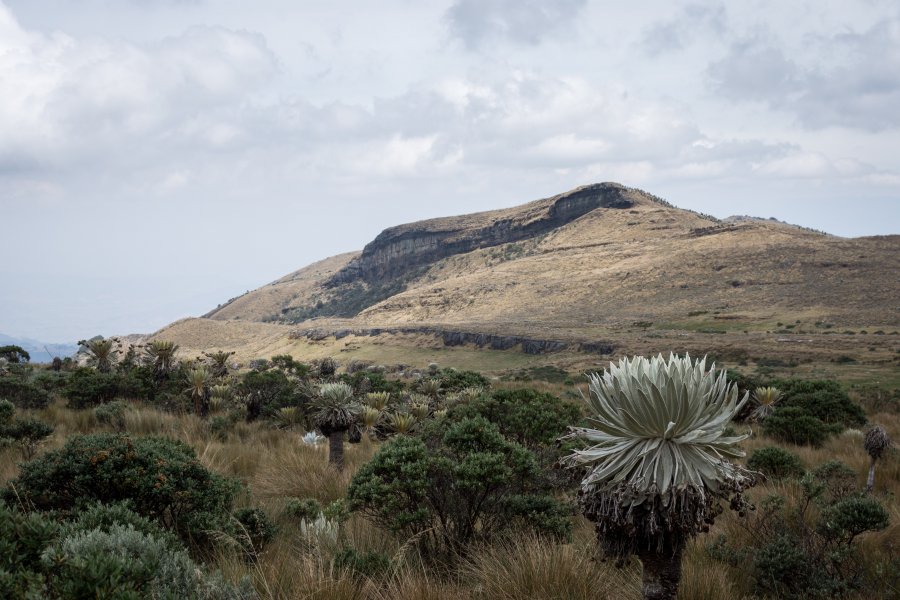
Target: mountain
{"x": 601, "y": 267}
{"x": 39, "y": 350}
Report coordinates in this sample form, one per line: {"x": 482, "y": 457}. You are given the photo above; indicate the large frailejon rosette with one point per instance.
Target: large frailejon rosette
{"x": 657, "y": 454}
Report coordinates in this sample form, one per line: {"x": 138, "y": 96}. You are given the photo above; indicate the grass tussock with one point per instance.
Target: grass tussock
{"x": 530, "y": 567}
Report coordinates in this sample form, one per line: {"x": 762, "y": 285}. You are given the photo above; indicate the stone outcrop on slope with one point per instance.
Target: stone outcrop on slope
{"x": 402, "y": 249}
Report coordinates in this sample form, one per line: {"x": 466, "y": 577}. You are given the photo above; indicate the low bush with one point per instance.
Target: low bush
{"x": 790, "y": 556}
{"x": 254, "y": 530}
{"x": 526, "y": 416}
{"x": 776, "y": 463}
{"x": 825, "y": 400}
{"x": 453, "y": 380}
{"x": 793, "y": 425}
{"x": 87, "y": 388}
{"x": 161, "y": 477}
{"x": 368, "y": 564}
{"x": 453, "y": 487}
{"x": 16, "y": 388}
{"x": 112, "y": 414}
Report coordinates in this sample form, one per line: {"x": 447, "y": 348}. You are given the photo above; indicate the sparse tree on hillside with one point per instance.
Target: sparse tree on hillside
{"x": 334, "y": 411}
{"x": 657, "y": 467}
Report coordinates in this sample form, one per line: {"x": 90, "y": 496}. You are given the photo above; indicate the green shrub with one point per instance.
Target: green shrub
{"x": 255, "y": 530}
{"x": 87, "y": 388}
{"x": 838, "y": 479}
{"x": 368, "y": 564}
{"x": 161, "y": 477}
{"x": 267, "y": 392}
{"x": 307, "y": 509}
{"x": 456, "y": 381}
{"x": 221, "y": 425}
{"x": 526, "y": 416}
{"x": 107, "y": 552}
{"x": 776, "y": 463}
{"x": 853, "y": 516}
{"x": 112, "y": 414}
{"x": 461, "y": 484}
{"x": 125, "y": 563}
{"x": 789, "y": 556}
{"x": 824, "y": 400}
{"x": 793, "y": 425}
{"x": 27, "y": 434}
{"x": 17, "y": 389}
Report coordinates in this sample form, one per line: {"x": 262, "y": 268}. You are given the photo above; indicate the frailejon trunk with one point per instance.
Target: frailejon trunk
{"x": 870, "y": 483}
{"x": 336, "y": 449}
{"x": 662, "y": 572}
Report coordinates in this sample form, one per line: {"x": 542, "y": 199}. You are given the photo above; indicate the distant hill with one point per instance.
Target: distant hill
{"x": 39, "y": 350}
{"x": 581, "y": 267}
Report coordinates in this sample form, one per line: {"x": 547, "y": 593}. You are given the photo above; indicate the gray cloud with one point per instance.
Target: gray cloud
{"x": 476, "y": 22}
{"x": 691, "y": 25}
{"x": 853, "y": 83}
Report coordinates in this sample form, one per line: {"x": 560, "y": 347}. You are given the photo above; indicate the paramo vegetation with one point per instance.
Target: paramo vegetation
{"x": 138, "y": 472}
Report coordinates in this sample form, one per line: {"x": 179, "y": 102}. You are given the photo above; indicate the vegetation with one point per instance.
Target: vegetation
{"x": 159, "y": 500}
{"x": 656, "y": 463}
{"x": 453, "y": 487}
{"x": 776, "y": 463}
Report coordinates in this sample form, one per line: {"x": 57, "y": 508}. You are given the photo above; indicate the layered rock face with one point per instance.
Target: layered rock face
{"x": 400, "y": 250}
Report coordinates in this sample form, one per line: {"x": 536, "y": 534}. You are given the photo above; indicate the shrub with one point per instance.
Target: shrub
{"x": 776, "y": 463}
{"x": 126, "y": 563}
{"x": 255, "y": 530}
{"x": 221, "y": 425}
{"x": 368, "y": 564}
{"x": 27, "y": 434}
{"x": 307, "y": 509}
{"x": 460, "y": 484}
{"x": 456, "y": 381}
{"x": 161, "y": 477}
{"x": 267, "y": 392}
{"x": 824, "y": 400}
{"x": 853, "y": 516}
{"x": 788, "y": 557}
{"x": 87, "y": 388}
{"x": 112, "y": 414}
{"x": 526, "y": 416}
{"x": 793, "y": 425}
{"x": 24, "y": 394}
{"x": 838, "y": 479}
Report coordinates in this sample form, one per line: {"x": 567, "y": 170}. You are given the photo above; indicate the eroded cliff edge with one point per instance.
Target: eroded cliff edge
{"x": 405, "y": 248}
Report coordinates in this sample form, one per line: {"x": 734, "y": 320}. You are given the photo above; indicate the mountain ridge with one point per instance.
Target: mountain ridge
{"x": 624, "y": 262}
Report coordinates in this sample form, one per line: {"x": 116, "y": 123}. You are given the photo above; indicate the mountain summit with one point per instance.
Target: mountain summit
{"x": 581, "y": 266}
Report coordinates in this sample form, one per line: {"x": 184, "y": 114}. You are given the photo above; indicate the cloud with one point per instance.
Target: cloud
{"x": 851, "y": 83}
{"x": 691, "y": 25}
{"x": 529, "y": 22}
{"x": 68, "y": 101}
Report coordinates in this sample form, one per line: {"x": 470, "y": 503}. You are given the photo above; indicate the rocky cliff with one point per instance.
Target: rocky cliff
{"x": 401, "y": 250}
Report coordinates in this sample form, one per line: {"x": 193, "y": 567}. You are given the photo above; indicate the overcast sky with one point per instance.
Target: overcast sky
{"x": 158, "y": 157}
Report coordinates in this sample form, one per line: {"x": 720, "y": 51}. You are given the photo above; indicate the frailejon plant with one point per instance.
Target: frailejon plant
{"x": 658, "y": 461}
{"x": 765, "y": 399}
{"x": 876, "y": 444}
{"x": 334, "y": 412}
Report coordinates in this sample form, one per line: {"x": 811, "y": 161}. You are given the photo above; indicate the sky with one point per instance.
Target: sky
{"x": 158, "y": 157}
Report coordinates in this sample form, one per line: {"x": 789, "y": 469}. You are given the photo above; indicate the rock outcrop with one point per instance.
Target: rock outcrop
{"x": 400, "y": 250}
{"x": 463, "y": 338}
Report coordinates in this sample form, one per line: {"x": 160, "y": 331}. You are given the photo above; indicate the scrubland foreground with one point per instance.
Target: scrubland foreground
{"x": 146, "y": 476}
